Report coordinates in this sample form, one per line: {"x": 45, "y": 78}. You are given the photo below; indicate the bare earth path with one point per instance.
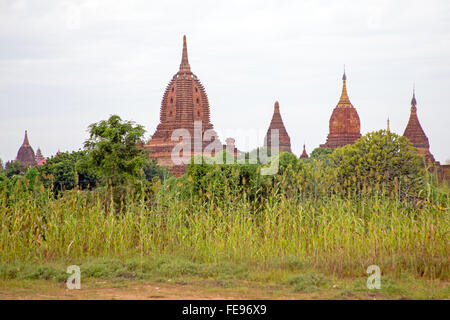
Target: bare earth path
{"x": 202, "y": 289}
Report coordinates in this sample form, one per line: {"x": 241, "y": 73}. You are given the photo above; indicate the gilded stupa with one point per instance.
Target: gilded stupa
{"x": 344, "y": 122}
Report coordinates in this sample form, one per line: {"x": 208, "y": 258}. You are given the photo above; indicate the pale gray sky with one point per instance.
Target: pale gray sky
{"x": 67, "y": 64}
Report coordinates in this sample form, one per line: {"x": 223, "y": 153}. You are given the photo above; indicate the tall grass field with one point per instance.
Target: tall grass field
{"x": 334, "y": 236}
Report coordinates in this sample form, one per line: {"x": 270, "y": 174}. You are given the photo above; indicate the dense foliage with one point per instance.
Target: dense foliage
{"x": 338, "y": 211}
{"x": 14, "y": 167}
{"x": 381, "y": 160}
{"x": 62, "y": 172}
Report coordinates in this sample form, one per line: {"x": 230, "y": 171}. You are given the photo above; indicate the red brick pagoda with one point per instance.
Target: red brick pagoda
{"x": 415, "y": 133}
{"x": 40, "y": 160}
{"x": 277, "y": 123}
{"x": 344, "y": 122}
{"x": 184, "y": 102}
{"x": 304, "y": 155}
{"x": 26, "y": 153}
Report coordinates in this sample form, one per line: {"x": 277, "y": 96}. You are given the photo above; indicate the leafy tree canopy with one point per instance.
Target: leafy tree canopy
{"x": 152, "y": 170}
{"x": 322, "y": 154}
{"x": 113, "y": 153}
{"x": 379, "y": 158}
{"x": 14, "y": 168}
{"x": 62, "y": 172}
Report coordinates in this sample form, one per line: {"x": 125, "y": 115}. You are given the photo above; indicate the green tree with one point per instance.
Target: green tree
{"x": 14, "y": 168}
{"x": 113, "y": 153}
{"x": 152, "y": 170}
{"x": 2, "y": 176}
{"x": 62, "y": 172}
{"x": 322, "y": 154}
{"x": 380, "y": 161}
{"x": 217, "y": 182}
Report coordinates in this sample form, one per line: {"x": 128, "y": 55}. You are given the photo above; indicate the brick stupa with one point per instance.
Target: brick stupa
{"x": 415, "y": 133}
{"x": 26, "y": 153}
{"x": 184, "y": 102}
{"x": 304, "y": 154}
{"x": 344, "y": 122}
{"x": 277, "y": 123}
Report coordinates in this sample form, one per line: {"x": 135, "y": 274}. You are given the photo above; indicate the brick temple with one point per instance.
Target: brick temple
{"x": 419, "y": 140}
{"x": 27, "y": 156}
{"x": 415, "y": 133}
{"x": 344, "y": 122}
{"x": 304, "y": 154}
{"x": 26, "y": 153}
{"x": 40, "y": 159}
{"x": 184, "y": 102}
{"x": 277, "y": 124}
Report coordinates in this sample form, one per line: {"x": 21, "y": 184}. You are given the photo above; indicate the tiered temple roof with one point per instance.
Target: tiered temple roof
{"x": 415, "y": 133}
{"x": 40, "y": 160}
{"x": 277, "y": 124}
{"x": 304, "y": 155}
{"x": 344, "y": 122}
{"x": 26, "y": 153}
{"x": 184, "y": 102}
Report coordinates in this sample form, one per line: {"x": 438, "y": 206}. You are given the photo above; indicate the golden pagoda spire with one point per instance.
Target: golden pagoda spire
{"x": 344, "y": 101}
{"x": 184, "y": 66}
{"x": 388, "y": 128}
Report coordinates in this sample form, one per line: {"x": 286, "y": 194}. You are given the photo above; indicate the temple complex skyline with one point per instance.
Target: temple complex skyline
{"x": 185, "y": 107}
{"x": 56, "y": 78}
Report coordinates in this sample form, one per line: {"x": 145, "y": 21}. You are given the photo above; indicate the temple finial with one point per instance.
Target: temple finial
{"x": 413, "y": 100}
{"x": 184, "y": 66}
{"x": 388, "y": 128}
{"x": 25, "y": 140}
{"x": 344, "y": 101}
{"x": 304, "y": 153}
{"x": 277, "y": 106}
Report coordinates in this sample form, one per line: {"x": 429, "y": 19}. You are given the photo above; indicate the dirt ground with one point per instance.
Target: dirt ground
{"x": 41, "y": 289}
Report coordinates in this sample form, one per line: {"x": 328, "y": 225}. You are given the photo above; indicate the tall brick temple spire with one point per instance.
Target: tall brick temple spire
{"x": 184, "y": 102}
{"x": 344, "y": 122}
{"x": 415, "y": 133}
{"x": 184, "y": 66}
{"x": 26, "y": 153}
{"x": 277, "y": 123}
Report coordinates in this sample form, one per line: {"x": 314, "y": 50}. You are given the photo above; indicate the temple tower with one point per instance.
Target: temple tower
{"x": 40, "y": 160}
{"x": 415, "y": 133}
{"x": 277, "y": 123}
{"x": 26, "y": 153}
{"x": 304, "y": 155}
{"x": 184, "y": 103}
{"x": 344, "y": 122}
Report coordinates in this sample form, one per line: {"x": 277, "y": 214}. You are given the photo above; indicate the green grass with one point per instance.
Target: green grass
{"x": 333, "y": 236}
{"x": 147, "y": 268}
{"x": 180, "y": 271}
{"x": 301, "y": 242}
{"x": 308, "y": 282}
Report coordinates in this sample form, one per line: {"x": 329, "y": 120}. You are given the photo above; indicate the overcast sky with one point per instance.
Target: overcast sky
{"x": 67, "y": 64}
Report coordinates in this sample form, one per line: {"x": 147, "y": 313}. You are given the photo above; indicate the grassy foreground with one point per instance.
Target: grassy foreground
{"x": 166, "y": 277}
{"x": 304, "y": 245}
